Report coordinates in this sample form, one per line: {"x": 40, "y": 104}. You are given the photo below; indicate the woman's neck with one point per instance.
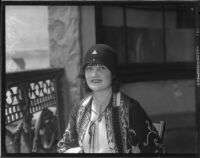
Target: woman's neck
{"x": 102, "y": 98}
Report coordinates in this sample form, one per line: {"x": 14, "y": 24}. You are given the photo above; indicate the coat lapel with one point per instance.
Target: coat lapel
{"x": 83, "y": 118}
{"x": 116, "y": 124}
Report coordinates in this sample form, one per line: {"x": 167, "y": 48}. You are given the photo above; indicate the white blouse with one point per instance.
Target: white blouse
{"x": 95, "y": 139}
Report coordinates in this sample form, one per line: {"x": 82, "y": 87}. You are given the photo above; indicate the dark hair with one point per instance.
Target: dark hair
{"x": 115, "y": 82}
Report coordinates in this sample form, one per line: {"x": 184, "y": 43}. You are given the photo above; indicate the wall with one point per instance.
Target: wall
{"x": 64, "y": 39}
{"x": 88, "y": 33}
{"x": 161, "y": 97}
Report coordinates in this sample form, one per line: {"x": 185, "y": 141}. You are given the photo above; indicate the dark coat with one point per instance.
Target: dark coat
{"x": 128, "y": 127}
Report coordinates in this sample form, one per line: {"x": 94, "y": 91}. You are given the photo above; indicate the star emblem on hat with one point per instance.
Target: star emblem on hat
{"x": 94, "y": 52}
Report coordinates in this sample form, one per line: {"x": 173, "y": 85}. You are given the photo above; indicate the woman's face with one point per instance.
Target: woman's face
{"x": 98, "y": 77}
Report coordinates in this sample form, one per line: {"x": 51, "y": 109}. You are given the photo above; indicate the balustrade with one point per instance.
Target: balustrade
{"x": 32, "y": 110}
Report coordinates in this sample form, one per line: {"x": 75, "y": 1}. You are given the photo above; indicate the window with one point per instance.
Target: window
{"x": 152, "y": 42}
{"x": 27, "y": 38}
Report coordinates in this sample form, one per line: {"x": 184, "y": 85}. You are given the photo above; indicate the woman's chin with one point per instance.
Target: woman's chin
{"x": 95, "y": 87}
{"x": 98, "y": 88}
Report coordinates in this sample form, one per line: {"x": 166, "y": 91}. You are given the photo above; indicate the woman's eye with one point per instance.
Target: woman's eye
{"x": 102, "y": 67}
{"x": 88, "y": 68}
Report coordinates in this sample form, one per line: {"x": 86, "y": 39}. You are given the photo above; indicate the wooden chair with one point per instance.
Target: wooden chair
{"x": 160, "y": 127}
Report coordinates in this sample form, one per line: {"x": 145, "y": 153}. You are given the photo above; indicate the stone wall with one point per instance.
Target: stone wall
{"x": 64, "y": 36}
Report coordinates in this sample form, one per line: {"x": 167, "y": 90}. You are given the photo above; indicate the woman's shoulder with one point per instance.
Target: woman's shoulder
{"x": 134, "y": 106}
{"x": 84, "y": 102}
{"x": 81, "y": 105}
{"x": 129, "y": 99}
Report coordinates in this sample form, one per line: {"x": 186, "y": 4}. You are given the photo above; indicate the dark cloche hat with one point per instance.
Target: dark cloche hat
{"x": 101, "y": 54}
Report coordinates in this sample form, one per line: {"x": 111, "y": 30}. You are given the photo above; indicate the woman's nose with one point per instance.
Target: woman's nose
{"x": 94, "y": 72}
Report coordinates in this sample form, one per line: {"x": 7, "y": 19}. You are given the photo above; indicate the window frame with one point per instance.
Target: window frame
{"x": 136, "y": 72}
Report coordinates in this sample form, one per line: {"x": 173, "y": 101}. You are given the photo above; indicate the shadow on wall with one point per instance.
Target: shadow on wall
{"x": 180, "y": 132}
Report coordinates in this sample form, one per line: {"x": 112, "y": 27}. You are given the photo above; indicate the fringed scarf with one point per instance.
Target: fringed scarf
{"x": 116, "y": 119}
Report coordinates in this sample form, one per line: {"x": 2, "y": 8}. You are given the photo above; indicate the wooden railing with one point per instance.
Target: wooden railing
{"x": 32, "y": 117}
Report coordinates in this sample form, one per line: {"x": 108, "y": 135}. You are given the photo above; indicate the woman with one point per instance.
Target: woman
{"x": 107, "y": 120}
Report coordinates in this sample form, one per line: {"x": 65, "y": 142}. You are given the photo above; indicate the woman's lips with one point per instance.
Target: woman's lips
{"x": 95, "y": 80}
